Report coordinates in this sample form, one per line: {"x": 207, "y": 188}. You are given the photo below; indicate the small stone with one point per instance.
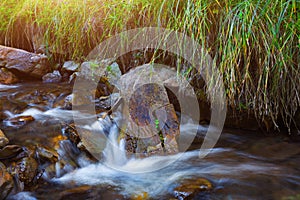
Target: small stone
{"x": 3, "y": 139}
{"x": 70, "y": 66}
{"x": 7, "y": 77}
{"x": 54, "y": 77}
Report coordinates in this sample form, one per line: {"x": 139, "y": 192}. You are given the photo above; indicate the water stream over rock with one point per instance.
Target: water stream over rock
{"x": 243, "y": 165}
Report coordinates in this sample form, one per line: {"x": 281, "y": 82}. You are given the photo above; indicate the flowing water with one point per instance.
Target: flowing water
{"x": 243, "y": 165}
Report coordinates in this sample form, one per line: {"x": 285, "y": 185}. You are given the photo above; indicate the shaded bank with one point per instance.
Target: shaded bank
{"x": 255, "y": 44}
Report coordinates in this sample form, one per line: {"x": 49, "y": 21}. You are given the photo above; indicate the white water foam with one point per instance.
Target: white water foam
{"x": 135, "y": 176}
{"x": 5, "y": 87}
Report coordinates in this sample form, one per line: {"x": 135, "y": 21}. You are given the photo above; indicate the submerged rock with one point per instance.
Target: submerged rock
{"x": 35, "y": 65}
{"x": 190, "y": 187}
{"x": 7, "y": 77}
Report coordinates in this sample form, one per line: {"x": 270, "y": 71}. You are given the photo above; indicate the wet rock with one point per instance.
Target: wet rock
{"x": 3, "y": 139}
{"x": 19, "y": 121}
{"x": 45, "y": 153}
{"x": 104, "y": 88}
{"x": 64, "y": 103}
{"x": 68, "y": 154}
{"x": 70, "y": 66}
{"x": 54, "y": 77}
{"x": 151, "y": 117}
{"x": 27, "y": 170}
{"x": 10, "y": 151}
{"x": 104, "y": 103}
{"x": 37, "y": 96}
{"x": 190, "y": 187}
{"x": 6, "y": 182}
{"x": 7, "y": 77}
{"x": 84, "y": 99}
{"x": 91, "y": 143}
{"x": 24, "y": 62}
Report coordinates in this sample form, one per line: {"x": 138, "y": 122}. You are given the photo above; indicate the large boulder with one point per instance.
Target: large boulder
{"x": 150, "y": 123}
{"x": 35, "y": 65}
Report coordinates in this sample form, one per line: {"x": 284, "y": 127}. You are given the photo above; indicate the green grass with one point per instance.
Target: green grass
{"x": 254, "y": 43}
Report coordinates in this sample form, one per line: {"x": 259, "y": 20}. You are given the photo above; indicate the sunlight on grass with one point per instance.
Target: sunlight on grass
{"x": 254, "y": 43}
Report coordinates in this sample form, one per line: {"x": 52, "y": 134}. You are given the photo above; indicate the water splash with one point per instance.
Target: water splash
{"x": 5, "y": 87}
{"x": 134, "y": 176}
{"x": 114, "y": 153}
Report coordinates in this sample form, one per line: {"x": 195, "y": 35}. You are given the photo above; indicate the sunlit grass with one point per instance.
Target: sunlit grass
{"x": 254, "y": 43}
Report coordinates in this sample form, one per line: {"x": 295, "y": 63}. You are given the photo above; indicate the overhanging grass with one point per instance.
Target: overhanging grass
{"x": 254, "y": 43}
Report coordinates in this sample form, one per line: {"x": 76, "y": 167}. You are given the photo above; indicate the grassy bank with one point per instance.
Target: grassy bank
{"x": 254, "y": 43}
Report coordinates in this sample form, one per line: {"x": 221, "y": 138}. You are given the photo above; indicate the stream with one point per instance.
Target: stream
{"x": 243, "y": 164}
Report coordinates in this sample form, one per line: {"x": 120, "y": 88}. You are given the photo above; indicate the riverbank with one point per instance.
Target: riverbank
{"x": 254, "y": 44}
